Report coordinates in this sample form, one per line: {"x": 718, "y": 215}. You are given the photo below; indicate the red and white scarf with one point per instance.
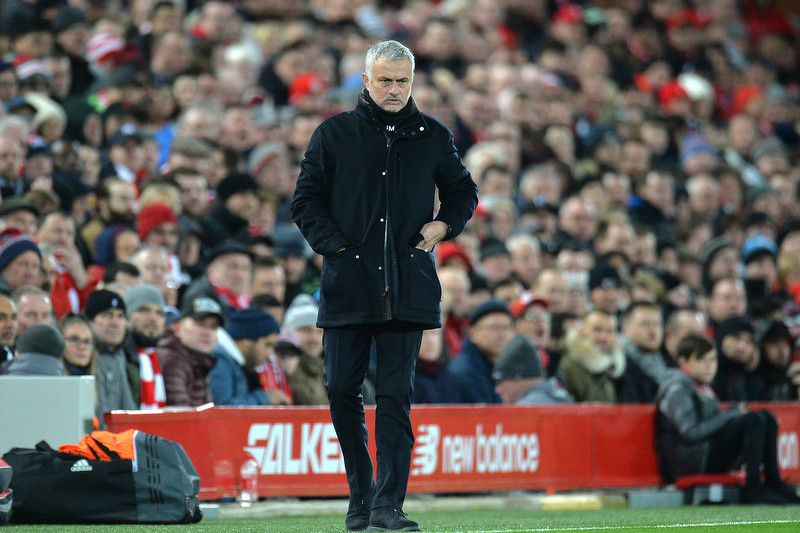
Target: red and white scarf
{"x": 236, "y": 301}
{"x": 154, "y": 394}
{"x": 272, "y": 377}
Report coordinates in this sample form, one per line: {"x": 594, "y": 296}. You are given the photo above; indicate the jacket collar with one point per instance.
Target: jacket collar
{"x": 409, "y": 128}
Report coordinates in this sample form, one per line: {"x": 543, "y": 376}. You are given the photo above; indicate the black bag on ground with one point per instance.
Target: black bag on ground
{"x": 160, "y": 486}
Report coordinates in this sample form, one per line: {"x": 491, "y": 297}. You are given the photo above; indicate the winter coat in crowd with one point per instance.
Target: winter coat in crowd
{"x": 186, "y": 372}
{"x": 688, "y": 415}
{"x": 468, "y": 378}
{"x": 372, "y": 198}
{"x": 588, "y": 373}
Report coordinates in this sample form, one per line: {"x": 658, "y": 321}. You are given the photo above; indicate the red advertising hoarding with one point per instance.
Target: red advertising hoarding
{"x": 458, "y": 448}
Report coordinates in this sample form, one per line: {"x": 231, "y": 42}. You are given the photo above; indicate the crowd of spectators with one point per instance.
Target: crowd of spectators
{"x": 637, "y": 162}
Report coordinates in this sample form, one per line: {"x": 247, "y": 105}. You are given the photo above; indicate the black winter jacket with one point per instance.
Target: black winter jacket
{"x": 372, "y": 192}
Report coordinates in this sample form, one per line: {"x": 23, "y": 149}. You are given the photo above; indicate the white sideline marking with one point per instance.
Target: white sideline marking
{"x": 633, "y": 526}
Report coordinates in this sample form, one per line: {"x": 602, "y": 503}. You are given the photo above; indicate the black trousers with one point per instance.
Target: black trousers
{"x": 347, "y": 351}
{"x": 752, "y": 438}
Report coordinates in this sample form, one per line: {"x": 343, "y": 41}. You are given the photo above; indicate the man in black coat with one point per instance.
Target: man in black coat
{"x": 365, "y": 202}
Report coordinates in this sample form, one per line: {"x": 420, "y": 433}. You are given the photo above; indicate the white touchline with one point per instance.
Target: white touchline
{"x": 634, "y": 526}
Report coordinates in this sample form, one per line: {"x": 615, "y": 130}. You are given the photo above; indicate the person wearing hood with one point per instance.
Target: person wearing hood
{"x": 775, "y": 345}
{"x": 593, "y": 363}
{"x": 738, "y": 378}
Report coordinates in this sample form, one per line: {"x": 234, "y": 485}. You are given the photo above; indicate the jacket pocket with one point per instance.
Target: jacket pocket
{"x": 344, "y": 285}
{"x": 422, "y": 288}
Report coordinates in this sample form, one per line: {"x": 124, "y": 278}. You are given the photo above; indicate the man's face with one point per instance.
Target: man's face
{"x": 269, "y": 280}
{"x": 645, "y": 329}
{"x": 390, "y": 83}
{"x": 8, "y": 321}
{"x": 727, "y": 300}
{"x": 57, "y": 230}
{"x": 121, "y": 202}
{"x": 491, "y": 334}
{"x": 310, "y": 339}
{"x": 244, "y": 204}
{"x": 257, "y": 352}
{"x": 198, "y": 334}
{"x": 148, "y": 321}
{"x": 109, "y": 326}
{"x": 764, "y": 268}
{"x": 33, "y": 309}
{"x": 231, "y": 271}
{"x": 194, "y": 193}
{"x": 37, "y": 166}
{"x": 23, "y": 220}
{"x": 165, "y": 235}
{"x": 25, "y": 269}
{"x": 497, "y": 267}
{"x": 606, "y": 298}
{"x": 534, "y": 323}
{"x": 741, "y": 348}
{"x": 154, "y": 268}
{"x": 293, "y": 267}
{"x": 602, "y": 329}
{"x": 526, "y": 262}
{"x": 455, "y": 290}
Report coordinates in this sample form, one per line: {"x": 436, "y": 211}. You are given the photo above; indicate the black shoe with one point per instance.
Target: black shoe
{"x": 786, "y": 492}
{"x": 761, "y": 495}
{"x": 390, "y": 519}
{"x": 358, "y": 511}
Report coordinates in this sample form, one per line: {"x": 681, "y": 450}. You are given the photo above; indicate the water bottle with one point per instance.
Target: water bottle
{"x": 248, "y": 482}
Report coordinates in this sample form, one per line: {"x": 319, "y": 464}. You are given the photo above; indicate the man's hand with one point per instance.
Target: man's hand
{"x": 70, "y": 258}
{"x": 278, "y": 397}
{"x": 432, "y": 234}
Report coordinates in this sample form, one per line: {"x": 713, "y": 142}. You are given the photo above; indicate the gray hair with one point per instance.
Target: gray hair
{"x": 388, "y": 51}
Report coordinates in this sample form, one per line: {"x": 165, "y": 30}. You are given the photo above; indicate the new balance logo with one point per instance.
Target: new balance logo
{"x": 81, "y": 465}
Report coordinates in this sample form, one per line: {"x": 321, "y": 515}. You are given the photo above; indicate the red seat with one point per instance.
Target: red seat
{"x": 730, "y": 479}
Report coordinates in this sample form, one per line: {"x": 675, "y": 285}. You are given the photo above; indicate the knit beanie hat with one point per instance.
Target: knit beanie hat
{"x": 251, "y": 323}
{"x": 234, "y": 184}
{"x": 153, "y": 216}
{"x": 137, "y": 297}
{"x": 733, "y": 325}
{"x": 102, "y": 300}
{"x": 12, "y": 243}
{"x": 43, "y": 339}
{"x": 302, "y": 312}
{"x": 520, "y": 359}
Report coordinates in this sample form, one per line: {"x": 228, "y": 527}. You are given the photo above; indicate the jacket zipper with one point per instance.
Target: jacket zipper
{"x": 386, "y": 295}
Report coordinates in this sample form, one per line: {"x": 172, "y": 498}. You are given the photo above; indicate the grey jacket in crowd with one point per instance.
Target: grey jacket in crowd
{"x": 33, "y": 364}
{"x": 113, "y": 389}
{"x": 685, "y": 422}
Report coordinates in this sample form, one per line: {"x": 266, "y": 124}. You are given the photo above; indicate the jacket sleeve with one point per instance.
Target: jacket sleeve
{"x": 678, "y": 406}
{"x": 227, "y": 388}
{"x": 177, "y": 379}
{"x": 458, "y": 193}
{"x": 310, "y": 203}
